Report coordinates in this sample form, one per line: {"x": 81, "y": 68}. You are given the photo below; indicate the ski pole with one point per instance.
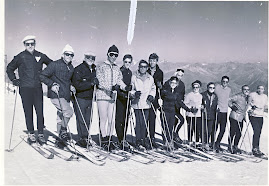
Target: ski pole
{"x": 112, "y": 123}
{"x": 132, "y": 124}
{"x": 241, "y": 132}
{"x": 206, "y": 127}
{"x": 163, "y": 130}
{"x": 249, "y": 138}
{"x": 215, "y": 130}
{"x": 202, "y": 114}
{"x": 126, "y": 119}
{"x": 244, "y": 135}
{"x": 14, "y": 111}
{"x": 90, "y": 124}
{"x": 57, "y": 93}
{"x": 195, "y": 131}
{"x": 229, "y": 137}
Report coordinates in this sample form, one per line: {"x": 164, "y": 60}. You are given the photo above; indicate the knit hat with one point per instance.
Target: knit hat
{"x": 68, "y": 48}
{"x": 29, "y": 37}
{"x": 113, "y": 48}
{"x": 196, "y": 82}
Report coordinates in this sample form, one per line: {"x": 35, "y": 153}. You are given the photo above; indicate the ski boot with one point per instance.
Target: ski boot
{"x": 154, "y": 144}
{"x": 31, "y": 138}
{"x": 236, "y": 150}
{"x": 125, "y": 146}
{"x": 115, "y": 145}
{"x": 82, "y": 143}
{"x": 147, "y": 143}
{"x": 63, "y": 134}
{"x": 41, "y": 139}
{"x": 256, "y": 152}
{"x": 176, "y": 138}
{"x": 60, "y": 144}
{"x": 139, "y": 146}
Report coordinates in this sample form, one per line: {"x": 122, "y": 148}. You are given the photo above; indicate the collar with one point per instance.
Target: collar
{"x": 87, "y": 65}
{"x": 137, "y": 74}
{"x": 108, "y": 63}
{"x": 65, "y": 62}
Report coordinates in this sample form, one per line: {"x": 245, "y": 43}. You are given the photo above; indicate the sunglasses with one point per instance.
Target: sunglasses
{"x": 246, "y": 89}
{"x": 211, "y": 87}
{"x": 113, "y": 54}
{"x": 127, "y": 61}
{"x": 143, "y": 66}
{"x": 225, "y": 81}
{"x": 28, "y": 44}
{"x": 67, "y": 54}
{"x": 196, "y": 87}
{"x": 90, "y": 57}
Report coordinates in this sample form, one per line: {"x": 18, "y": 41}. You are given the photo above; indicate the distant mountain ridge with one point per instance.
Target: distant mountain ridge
{"x": 252, "y": 74}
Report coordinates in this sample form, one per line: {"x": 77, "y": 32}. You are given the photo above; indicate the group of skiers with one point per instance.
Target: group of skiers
{"x": 121, "y": 93}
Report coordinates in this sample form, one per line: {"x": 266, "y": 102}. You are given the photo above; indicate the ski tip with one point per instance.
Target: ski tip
{"x": 51, "y": 156}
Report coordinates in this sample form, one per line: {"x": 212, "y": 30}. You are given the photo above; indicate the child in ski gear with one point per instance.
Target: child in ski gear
{"x": 193, "y": 100}
{"x": 210, "y": 102}
{"x": 143, "y": 93}
{"x": 110, "y": 80}
{"x": 29, "y": 64}
{"x": 122, "y": 112}
{"x": 157, "y": 75}
{"x": 258, "y": 103}
{"x": 84, "y": 80}
{"x": 223, "y": 92}
{"x": 57, "y": 76}
{"x": 238, "y": 104}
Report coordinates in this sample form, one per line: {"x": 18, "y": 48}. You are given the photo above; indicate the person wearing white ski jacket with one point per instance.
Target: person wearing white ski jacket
{"x": 142, "y": 94}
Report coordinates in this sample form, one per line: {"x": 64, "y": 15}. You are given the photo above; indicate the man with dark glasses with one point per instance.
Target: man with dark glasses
{"x": 121, "y": 122}
{"x": 84, "y": 80}
{"x": 223, "y": 92}
{"x": 57, "y": 76}
{"x": 110, "y": 80}
{"x": 29, "y": 64}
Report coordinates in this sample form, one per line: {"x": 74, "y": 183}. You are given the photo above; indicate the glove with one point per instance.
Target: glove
{"x": 16, "y": 82}
{"x": 254, "y": 107}
{"x": 194, "y": 110}
{"x": 55, "y": 88}
{"x": 217, "y": 110}
{"x": 234, "y": 108}
{"x": 159, "y": 84}
{"x": 73, "y": 89}
{"x": 137, "y": 94}
{"x": 202, "y": 107}
{"x": 115, "y": 87}
{"x": 160, "y": 101}
{"x": 95, "y": 82}
{"x": 128, "y": 88}
{"x": 150, "y": 98}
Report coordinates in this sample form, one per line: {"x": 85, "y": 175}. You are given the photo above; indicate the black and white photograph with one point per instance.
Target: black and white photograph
{"x": 134, "y": 92}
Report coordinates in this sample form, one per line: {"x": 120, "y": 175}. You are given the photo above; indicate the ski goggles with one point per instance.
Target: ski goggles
{"x": 111, "y": 54}
{"x": 67, "y": 54}
{"x": 30, "y": 44}
{"x": 90, "y": 57}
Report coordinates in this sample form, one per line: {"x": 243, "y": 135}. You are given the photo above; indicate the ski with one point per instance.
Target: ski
{"x": 250, "y": 154}
{"x": 171, "y": 157}
{"x": 79, "y": 150}
{"x": 133, "y": 155}
{"x": 39, "y": 149}
{"x": 150, "y": 155}
{"x": 244, "y": 157}
{"x": 186, "y": 153}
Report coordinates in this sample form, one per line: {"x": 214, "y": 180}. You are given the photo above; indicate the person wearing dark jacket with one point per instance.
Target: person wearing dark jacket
{"x": 157, "y": 75}
{"x": 57, "y": 76}
{"x": 171, "y": 102}
{"x": 210, "y": 102}
{"x": 84, "y": 79}
{"x": 29, "y": 64}
{"x": 180, "y": 89}
{"x": 121, "y": 122}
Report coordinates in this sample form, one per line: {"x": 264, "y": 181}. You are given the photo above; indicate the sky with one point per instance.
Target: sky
{"x": 177, "y": 31}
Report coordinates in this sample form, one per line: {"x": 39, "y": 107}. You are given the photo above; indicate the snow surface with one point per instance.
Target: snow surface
{"x": 25, "y": 166}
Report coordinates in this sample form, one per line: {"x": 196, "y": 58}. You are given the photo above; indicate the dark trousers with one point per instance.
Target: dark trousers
{"x": 141, "y": 117}
{"x": 121, "y": 108}
{"x": 167, "y": 120}
{"x": 178, "y": 124}
{"x": 32, "y": 97}
{"x": 194, "y": 123}
{"x": 85, "y": 107}
{"x": 152, "y": 122}
{"x": 235, "y": 131}
{"x": 257, "y": 123}
{"x": 222, "y": 120}
{"x": 209, "y": 126}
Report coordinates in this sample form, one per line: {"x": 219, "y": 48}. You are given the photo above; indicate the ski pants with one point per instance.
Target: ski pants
{"x": 32, "y": 97}
{"x": 141, "y": 117}
{"x": 86, "y": 109}
{"x": 257, "y": 123}
{"x": 167, "y": 120}
{"x": 121, "y": 110}
{"x": 64, "y": 112}
{"x": 194, "y": 126}
{"x": 209, "y": 130}
{"x": 178, "y": 124}
{"x": 235, "y": 131}
{"x": 222, "y": 120}
{"x": 152, "y": 122}
{"x": 106, "y": 110}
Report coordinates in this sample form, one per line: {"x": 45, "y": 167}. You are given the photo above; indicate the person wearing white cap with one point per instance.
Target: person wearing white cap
{"x": 58, "y": 76}
{"x": 84, "y": 80}
{"x": 29, "y": 64}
